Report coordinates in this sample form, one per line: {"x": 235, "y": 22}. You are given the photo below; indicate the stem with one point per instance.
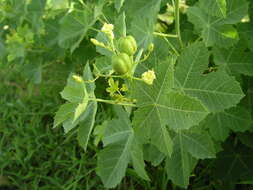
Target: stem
{"x": 138, "y": 57}
{"x": 165, "y": 35}
{"x": 112, "y": 102}
{"x": 91, "y": 81}
{"x": 177, "y": 21}
{"x": 145, "y": 57}
{"x": 136, "y": 78}
{"x": 113, "y": 76}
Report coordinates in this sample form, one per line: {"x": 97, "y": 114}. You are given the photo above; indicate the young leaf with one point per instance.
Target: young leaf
{"x": 64, "y": 113}
{"x": 75, "y": 90}
{"x": 216, "y": 90}
{"x": 86, "y": 125}
{"x": 76, "y": 93}
{"x": 88, "y": 120}
{"x": 114, "y": 158}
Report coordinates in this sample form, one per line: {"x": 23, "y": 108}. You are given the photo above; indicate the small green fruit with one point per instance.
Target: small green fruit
{"x": 121, "y": 63}
{"x": 127, "y": 45}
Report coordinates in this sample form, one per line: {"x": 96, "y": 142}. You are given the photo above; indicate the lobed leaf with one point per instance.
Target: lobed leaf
{"x": 216, "y": 90}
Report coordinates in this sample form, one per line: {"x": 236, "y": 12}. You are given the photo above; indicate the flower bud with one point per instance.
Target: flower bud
{"x": 148, "y": 77}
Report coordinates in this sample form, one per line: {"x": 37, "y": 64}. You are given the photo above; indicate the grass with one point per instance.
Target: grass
{"x": 33, "y": 155}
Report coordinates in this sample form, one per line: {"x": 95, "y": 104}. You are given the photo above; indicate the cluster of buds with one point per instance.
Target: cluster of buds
{"x": 107, "y": 29}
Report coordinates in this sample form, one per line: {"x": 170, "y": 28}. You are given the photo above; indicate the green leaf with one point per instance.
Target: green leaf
{"x": 102, "y": 65}
{"x": 237, "y": 119}
{"x": 113, "y": 161}
{"x": 180, "y": 165}
{"x": 119, "y": 4}
{"x": 120, "y": 26}
{"x": 114, "y": 158}
{"x": 118, "y": 129}
{"x": 236, "y": 10}
{"x": 246, "y": 33}
{"x": 246, "y": 139}
{"x": 216, "y": 90}
{"x": 87, "y": 123}
{"x": 233, "y": 163}
{"x": 138, "y": 160}
{"x": 142, "y": 29}
{"x": 142, "y": 8}
{"x": 212, "y": 29}
{"x": 75, "y": 91}
{"x": 199, "y": 145}
{"x": 152, "y": 154}
{"x": 143, "y": 22}
{"x": 88, "y": 76}
{"x": 159, "y": 106}
{"x": 73, "y": 28}
{"x": 247, "y": 101}
{"x": 216, "y": 29}
{"x": 58, "y": 4}
{"x": 35, "y": 11}
{"x": 99, "y": 132}
{"x": 214, "y": 7}
{"x": 234, "y": 60}
{"x": 64, "y": 113}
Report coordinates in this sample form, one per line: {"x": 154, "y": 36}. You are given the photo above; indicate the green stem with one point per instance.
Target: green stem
{"x": 165, "y": 35}
{"x": 136, "y": 78}
{"x": 145, "y": 57}
{"x": 177, "y": 21}
{"x": 91, "y": 81}
{"x": 112, "y": 102}
{"x": 138, "y": 57}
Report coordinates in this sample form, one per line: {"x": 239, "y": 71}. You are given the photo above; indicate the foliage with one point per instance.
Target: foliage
{"x": 180, "y": 98}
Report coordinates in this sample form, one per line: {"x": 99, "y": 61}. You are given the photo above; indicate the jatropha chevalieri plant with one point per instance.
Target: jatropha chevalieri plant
{"x": 118, "y": 69}
{"x": 163, "y": 83}
{"x": 163, "y": 97}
